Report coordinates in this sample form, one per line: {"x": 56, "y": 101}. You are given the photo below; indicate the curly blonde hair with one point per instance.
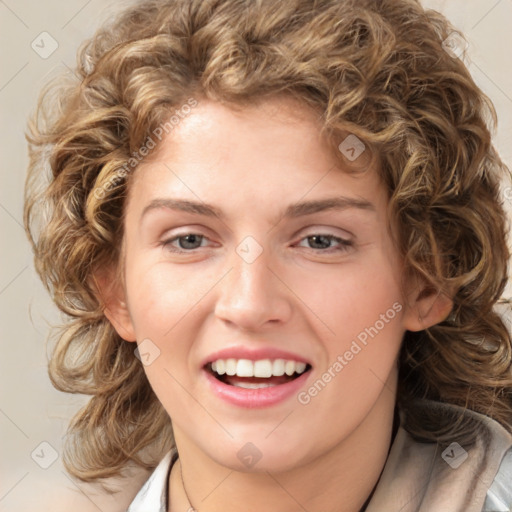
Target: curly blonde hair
{"x": 375, "y": 68}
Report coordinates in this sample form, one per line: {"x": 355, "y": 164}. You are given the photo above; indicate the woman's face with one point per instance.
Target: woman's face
{"x": 246, "y": 241}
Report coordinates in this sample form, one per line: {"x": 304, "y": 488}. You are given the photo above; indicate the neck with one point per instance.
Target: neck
{"x": 346, "y": 474}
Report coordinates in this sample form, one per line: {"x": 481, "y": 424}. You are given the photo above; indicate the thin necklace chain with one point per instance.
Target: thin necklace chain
{"x": 191, "y": 508}
{"x": 396, "y": 422}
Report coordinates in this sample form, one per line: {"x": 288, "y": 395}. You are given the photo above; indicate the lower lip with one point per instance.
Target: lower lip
{"x": 253, "y": 398}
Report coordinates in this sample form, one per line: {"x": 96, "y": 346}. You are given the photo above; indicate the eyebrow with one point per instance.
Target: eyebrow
{"x": 292, "y": 211}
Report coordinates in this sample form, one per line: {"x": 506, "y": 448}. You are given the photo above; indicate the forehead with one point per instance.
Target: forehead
{"x": 279, "y": 122}
{"x": 273, "y": 145}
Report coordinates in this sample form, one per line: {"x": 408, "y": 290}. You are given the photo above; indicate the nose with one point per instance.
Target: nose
{"x": 253, "y": 295}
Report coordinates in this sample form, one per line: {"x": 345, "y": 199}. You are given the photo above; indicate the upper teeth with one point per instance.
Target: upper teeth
{"x": 261, "y": 368}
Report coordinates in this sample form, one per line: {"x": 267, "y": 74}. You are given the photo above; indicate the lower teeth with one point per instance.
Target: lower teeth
{"x": 253, "y": 385}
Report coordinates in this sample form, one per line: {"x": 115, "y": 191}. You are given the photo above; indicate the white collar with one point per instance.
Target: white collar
{"x": 153, "y": 495}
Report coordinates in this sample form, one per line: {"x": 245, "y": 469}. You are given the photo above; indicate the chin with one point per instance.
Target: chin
{"x": 257, "y": 456}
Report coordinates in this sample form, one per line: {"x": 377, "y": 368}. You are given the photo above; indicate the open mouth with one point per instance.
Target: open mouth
{"x": 264, "y": 373}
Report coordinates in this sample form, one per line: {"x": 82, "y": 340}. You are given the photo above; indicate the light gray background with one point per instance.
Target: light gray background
{"x": 31, "y": 411}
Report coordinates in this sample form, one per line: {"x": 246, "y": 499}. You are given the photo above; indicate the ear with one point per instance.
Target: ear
{"x": 112, "y": 295}
{"x": 426, "y": 306}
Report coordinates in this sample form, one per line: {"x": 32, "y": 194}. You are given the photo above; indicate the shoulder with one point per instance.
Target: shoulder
{"x": 470, "y": 470}
{"x": 499, "y": 495}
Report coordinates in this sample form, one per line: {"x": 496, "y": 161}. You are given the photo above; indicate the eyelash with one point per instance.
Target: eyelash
{"x": 343, "y": 247}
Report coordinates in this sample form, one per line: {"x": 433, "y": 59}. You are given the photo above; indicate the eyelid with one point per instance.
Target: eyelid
{"x": 313, "y": 231}
{"x": 181, "y": 230}
{"x": 327, "y": 231}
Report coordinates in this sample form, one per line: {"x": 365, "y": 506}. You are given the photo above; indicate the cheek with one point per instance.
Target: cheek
{"x": 363, "y": 309}
{"x": 167, "y": 306}
{"x": 160, "y": 298}
{"x": 353, "y": 297}
{"x": 361, "y": 352}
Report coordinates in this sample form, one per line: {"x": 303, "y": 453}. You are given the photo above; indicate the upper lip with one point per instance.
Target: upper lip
{"x": 240, "y": 352}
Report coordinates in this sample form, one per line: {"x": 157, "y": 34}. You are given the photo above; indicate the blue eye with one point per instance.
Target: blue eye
{"x": 190, "y": 242}
{"x": 324, "y": 241}
{"x": 318, "y": 242}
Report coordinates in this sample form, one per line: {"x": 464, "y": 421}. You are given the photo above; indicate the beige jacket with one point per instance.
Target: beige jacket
{"x": 417, "y": 477}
